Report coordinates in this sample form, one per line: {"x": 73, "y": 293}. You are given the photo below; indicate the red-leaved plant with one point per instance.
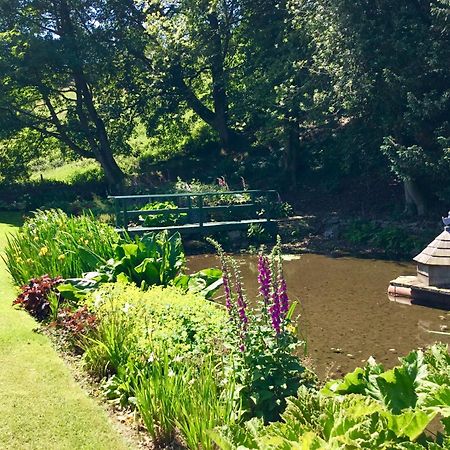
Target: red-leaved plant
{"x": 77, "y": 322}
{"x": 75, "y": 325}
{"x": 34, "y": 297}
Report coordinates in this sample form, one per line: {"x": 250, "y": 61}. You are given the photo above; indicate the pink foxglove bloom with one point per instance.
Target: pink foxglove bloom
{"x": 275, "y": 313}
{"x": 282, "y": 294}
{"x": 264, "y": 277}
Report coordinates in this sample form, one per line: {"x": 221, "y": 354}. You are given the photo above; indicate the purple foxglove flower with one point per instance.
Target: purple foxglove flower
{"x": 226, "y": 287}
{"x": 240, "y": 302}
{"x": 264, "y": 277}
{"x": 282, "y": 295}
{"x": 274, "y": 311}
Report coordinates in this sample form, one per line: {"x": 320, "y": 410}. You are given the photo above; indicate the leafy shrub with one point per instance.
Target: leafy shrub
{"x": 396, "y": 241}
{"x": 133, "y": 323}
{"x": 219, "y": 187}
{"x": 75, "y": 325}
{"x": 392, "y": 240}
{"x": 162, "y": 219}
{"x": 359, "y": 232}
{"x": 32, "y": 195}
{"x": 35, "y": 296}
{"x": 263, "y": 343}
{"x": 156, "y": 259}
{"x": 54, "y": 243}
{"x": 89, "y": 174}
{"x": 257, "y": 234}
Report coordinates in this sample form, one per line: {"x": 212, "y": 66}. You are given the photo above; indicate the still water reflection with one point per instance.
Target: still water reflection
{"x": 345, "y": 314}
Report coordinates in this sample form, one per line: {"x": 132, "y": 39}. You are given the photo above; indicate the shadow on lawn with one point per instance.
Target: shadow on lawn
{"x": 13, "y": 218}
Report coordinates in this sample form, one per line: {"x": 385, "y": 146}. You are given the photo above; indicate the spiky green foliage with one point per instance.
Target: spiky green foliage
{"x": 53, "y": 243}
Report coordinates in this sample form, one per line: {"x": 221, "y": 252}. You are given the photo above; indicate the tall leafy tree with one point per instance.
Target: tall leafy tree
{"x": 388, "y": 66}
{"x": 189, "y": 55}
{"x": 62, "y": 76}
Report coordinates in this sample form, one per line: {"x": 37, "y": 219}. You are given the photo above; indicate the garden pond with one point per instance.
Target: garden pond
{"x": 344, "y": 312}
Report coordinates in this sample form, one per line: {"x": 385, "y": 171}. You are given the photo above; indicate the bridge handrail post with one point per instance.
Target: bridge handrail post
{"x": 125, "y": 214}
{"x": 201, "y": 211}
{"x": 189, "y": 213}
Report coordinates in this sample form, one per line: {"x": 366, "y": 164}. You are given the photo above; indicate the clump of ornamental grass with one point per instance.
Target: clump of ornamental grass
{"x": 161, "y": 351}
{"x": 53, "y": 243}
{"x": 180, "y": 399}
{"x": 264, "y": 343}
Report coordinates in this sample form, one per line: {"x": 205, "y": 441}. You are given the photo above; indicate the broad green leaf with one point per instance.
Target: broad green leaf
{"x": 148, "y": 271}
{"x": 411, "y": 423}
{"x": 353, "y": 383}
{"x": 126, "y": 250}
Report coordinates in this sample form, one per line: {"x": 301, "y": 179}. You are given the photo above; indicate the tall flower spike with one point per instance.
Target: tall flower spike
{"x": 274, "y": 311}
{"x": 240, "y": 298}
{"x": 282, "y": 288}
{"x": 264, "y": 278}
{"x": 283, "y": 296}
{"x": 226, "y": 282}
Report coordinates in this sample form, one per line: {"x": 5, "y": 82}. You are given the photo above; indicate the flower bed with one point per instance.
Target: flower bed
{"x": 206, "y": 375}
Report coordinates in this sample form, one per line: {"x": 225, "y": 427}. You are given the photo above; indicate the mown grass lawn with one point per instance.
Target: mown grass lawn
{"x": 41, "y": 406}
{"x": 66, "y": 171}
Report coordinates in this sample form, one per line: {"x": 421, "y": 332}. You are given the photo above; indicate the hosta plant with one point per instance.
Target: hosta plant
{"x": 157, "y": 259}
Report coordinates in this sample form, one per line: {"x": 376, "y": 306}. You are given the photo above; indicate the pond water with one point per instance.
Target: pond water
{"x": 344, "y": 311}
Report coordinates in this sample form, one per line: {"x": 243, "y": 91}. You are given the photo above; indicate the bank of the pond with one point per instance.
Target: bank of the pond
{"x": 345, "y": 314}
{"x": 41, "y": 406}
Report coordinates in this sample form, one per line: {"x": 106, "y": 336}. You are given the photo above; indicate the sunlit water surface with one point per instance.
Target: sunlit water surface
{"x": 344, "y": 311}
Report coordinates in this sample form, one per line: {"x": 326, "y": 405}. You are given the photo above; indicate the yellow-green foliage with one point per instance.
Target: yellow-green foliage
{"x": 54, "y": 243}
{"x": 135, "y": 324}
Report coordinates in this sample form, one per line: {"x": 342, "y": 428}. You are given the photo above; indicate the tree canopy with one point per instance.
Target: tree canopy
{"x": 333, "y": 85}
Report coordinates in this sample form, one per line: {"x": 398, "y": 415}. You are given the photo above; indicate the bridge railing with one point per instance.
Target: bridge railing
{"x": 197, "y": 207}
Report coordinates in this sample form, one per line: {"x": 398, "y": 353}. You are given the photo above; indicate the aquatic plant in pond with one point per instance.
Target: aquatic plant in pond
{"x": 263, "y": 343}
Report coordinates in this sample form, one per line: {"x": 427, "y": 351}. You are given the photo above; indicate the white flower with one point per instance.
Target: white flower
{"x": 151, "y": 358}
{"x": 178, "y": 358}
{"x": 171, "y": 373}
{"x": 126, "y": 308}
{"x": 97, "y": 300}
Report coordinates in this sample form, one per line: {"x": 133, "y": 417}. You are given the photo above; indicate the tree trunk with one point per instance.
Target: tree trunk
{"x": 98, "y": 138}
{"x": 219, "y": 92}
{"x": 216, "y": 118}
{"x": 101, "y": 146}
{"x": 414, "y": 199}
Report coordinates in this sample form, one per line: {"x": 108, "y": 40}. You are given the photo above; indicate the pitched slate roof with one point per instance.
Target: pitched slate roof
{"x": 437, "y": 253}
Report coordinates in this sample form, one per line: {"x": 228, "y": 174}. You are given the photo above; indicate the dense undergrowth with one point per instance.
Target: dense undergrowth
{"x": 204, "y": 374}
